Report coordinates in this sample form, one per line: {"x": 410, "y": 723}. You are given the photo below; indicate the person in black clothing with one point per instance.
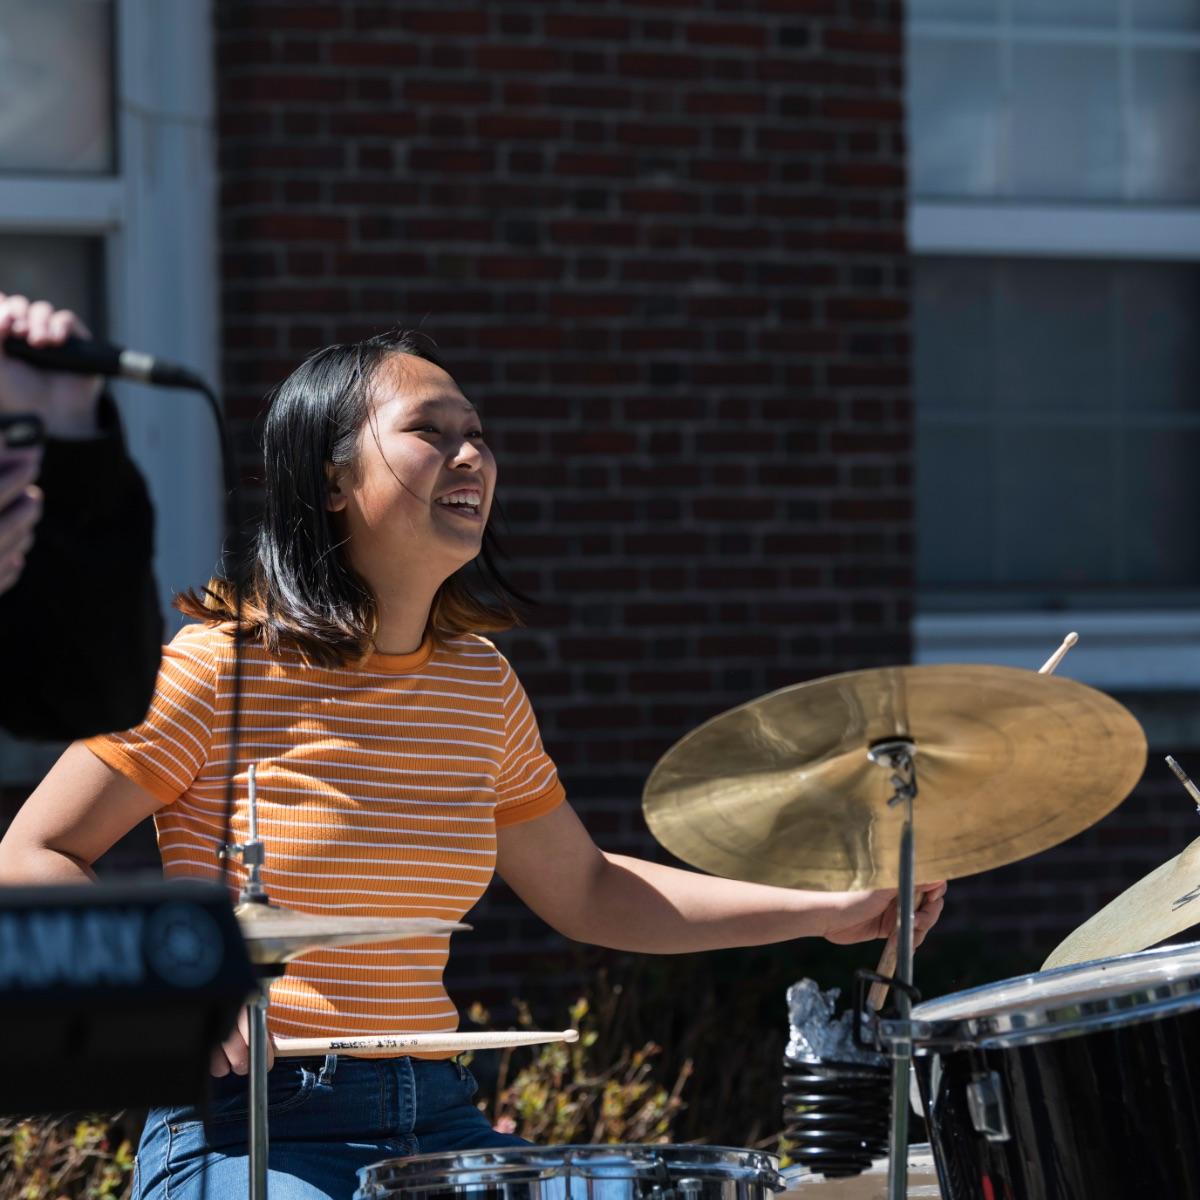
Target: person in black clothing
{"x": 80, "y": 625}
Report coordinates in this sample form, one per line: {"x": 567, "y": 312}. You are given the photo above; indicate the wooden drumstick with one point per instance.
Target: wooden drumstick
{"x": 1048, "y": 667}
{"x": 887, "y": 963}
{"x": 387, "y": 1045}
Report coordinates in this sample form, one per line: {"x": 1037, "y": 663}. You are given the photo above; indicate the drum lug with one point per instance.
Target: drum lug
{"x": 985, "y": 1103}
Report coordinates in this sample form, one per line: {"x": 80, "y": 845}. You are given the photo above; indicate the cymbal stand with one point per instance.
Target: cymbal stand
{"x": 253, "y": 892}
{"x": 897, "y": 756}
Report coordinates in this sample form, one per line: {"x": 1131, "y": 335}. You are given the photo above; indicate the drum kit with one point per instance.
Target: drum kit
{"x": 1074, "y": 1081}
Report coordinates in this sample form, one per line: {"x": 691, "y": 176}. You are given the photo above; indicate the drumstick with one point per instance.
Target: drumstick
{"x": 887, "y": 964}
{"x": 1047, "y": 668}
{"x": 1181, "y": 775}
{"x": 386, "y": 1045}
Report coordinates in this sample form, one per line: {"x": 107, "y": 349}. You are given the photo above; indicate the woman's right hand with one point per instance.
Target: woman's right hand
{"x": 233, "y": 1054}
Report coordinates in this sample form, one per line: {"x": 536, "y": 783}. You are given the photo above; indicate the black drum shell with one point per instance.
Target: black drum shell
{"x": 1107, "y": 1114}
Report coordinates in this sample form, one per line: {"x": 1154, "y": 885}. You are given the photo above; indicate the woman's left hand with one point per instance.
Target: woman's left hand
{"x": 861, "y": 916}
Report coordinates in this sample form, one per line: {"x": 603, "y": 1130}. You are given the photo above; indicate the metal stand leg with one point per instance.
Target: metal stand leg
{"x": 259, "y": 1144}
{"x": 902, "y": 1050}
{"x": 897, "y": 756}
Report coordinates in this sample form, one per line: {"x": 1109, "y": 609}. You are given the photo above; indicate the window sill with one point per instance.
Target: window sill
{"x": 1127, "y": 651}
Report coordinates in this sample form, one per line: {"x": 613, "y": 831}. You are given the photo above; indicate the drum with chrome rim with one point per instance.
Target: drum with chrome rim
{"x": 576, "y": 1173}
{"x": 1083, "y": 1081}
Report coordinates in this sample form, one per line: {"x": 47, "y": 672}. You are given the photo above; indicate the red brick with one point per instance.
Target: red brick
{"x": 519, "y": 267}
{"x": 504, "y": 127}
{"x": 445, "y": 22}
{"x": 727, "y": 33}
{"x": 885, "y": 43}
{"x": 518, "y": 58}
{"x": 396, "y": 124}
{"x": 658, "y": 200}
{"x": 442, "y": 91}
{"x": 433, "y": 158}
{"x": 661, "y": 66}
{"x": 570, "y": 27}
{"x": 373, "y": 54}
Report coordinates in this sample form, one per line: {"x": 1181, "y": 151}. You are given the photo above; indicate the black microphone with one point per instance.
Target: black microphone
{"x": 79, "y": 357}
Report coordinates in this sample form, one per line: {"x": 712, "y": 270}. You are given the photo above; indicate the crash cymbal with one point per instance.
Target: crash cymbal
{"x": 1164, "y": 903}
{"x": 276, "y": 935}
{"x": 780, "y": 790}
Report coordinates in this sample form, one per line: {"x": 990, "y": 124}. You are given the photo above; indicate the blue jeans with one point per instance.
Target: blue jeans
{"x": 327, "y": 1117}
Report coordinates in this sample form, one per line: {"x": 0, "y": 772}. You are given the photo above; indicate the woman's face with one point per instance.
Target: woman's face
{"x": 417, "y": 498}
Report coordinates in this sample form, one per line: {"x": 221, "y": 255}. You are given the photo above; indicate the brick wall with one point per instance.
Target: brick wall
{"x": 662, "y": 245}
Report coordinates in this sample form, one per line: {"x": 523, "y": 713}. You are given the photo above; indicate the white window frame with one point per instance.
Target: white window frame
{"x": 1132, "y": 650}
{"x": 157, "y": 219}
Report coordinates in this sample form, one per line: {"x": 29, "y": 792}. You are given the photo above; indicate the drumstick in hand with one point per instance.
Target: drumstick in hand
{"x": 887, "y": 964}
{"x": 388, "y": 1045}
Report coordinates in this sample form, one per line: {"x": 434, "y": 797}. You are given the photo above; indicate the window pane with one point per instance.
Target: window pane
{"x": 67, "y": 271}
{"x": 953, "y": 358}
{"x": 1166, "y": 14}
{"x": 1164, "y": 504}
{"x": 954, "y": 99}
{"x": 1081, "y": 476}
{"x": 56, "y": 86}
{"x": 1054, "y": 330}
{"x": 954, "y": 504}
{"x": 1160, "y": 352}
{"x": 1164, "y": 140}
{"x": 1065, "y": 137}
{"x": 1055, "y": 508}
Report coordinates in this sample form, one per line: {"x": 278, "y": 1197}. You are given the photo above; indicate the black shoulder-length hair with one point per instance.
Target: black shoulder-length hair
{"x": 300, "y": 592}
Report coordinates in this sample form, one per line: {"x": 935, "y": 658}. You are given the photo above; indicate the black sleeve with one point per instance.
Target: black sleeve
{"x": 81, "y": 631}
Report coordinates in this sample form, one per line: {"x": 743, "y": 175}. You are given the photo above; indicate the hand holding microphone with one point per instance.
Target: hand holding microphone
{"x": 66, "y": 402}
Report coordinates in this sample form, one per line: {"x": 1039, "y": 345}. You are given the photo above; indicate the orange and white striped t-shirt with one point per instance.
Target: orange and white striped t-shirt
{"x": 380, "y": 789}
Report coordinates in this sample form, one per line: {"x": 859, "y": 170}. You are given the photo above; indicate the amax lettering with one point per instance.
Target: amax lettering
{"x": 81, "y": 948}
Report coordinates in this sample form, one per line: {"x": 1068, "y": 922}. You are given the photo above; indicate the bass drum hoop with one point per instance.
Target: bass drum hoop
{"x": 1041, "y": 1006}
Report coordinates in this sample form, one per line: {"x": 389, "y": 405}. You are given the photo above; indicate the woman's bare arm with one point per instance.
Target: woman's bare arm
{"x": 75, "y": 814}
{"x": 630, "y": 904}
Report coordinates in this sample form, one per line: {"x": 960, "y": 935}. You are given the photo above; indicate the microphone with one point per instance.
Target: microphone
{"x": 79, "y": 357}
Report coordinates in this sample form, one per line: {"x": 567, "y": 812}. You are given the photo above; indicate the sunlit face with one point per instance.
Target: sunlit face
{"x": 418, "y": 496}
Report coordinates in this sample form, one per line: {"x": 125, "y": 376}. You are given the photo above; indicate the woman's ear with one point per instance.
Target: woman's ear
{"x": 335, "y": 498}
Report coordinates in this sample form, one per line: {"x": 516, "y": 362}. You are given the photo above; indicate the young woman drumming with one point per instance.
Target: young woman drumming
{"x": 399, "y": 764}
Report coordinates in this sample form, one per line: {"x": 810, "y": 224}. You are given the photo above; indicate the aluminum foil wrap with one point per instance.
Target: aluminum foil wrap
{"x": 816, "y": 1034}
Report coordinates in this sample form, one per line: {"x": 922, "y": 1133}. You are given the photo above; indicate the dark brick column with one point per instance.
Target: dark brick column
{"x": 662, "y": 244}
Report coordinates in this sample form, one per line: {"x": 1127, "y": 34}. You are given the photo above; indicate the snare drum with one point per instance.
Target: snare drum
{"x": 576, "y": 1173}
{"x": 1079, "y": 1082}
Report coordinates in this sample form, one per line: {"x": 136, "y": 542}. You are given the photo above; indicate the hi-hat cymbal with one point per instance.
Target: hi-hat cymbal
{"x": 276, "y": 935}
{"x": 1164, "y": 903}
{"x": 780, "y": 790}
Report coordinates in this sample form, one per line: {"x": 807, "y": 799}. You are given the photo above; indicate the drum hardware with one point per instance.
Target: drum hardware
{"x": 985, "y": 1103}
{"x": 253, "y": 894}
{"x": 781, "y": 791}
